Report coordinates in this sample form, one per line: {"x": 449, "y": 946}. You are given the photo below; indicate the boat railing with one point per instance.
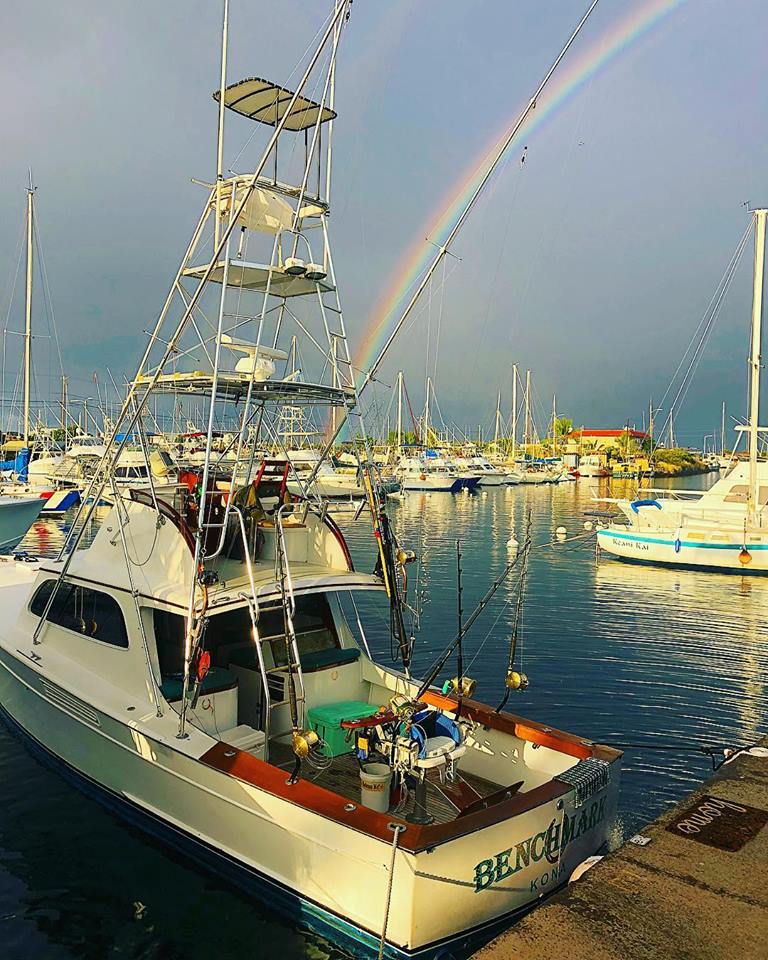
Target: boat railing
{"x": 674, "y": 493}
{"x": 254, "y": 612}
{"x": 288, "y": 600}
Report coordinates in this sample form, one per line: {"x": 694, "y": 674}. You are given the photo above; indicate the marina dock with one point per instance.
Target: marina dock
{"x": 696, "y": 890}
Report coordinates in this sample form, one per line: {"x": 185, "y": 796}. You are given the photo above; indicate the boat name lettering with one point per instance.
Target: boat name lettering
{"x": 632, "y": 544}
{"x": 548, "y": 843}
{"x": 557, "y": 871}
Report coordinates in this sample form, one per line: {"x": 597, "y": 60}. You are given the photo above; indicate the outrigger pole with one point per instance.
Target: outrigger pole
{"x": 514, "y": 130}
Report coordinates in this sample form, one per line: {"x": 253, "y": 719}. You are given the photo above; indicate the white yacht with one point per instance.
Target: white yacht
{"x": 724, "y": 528}
{"x": 429, "y": 473}
{"x": 591, "y": 465}
{"x": 487, "y": 475}
{"x": 202, "y": 667}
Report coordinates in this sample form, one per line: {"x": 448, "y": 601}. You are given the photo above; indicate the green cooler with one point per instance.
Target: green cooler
{"x": 326, "y": 721}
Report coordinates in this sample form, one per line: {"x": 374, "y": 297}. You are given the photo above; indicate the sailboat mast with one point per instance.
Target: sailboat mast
{"x": 220, "y": 135}
{"x": 399, "y": 411}
{"x": 722, "y": 432}
{"x": 554, "y": 424}
{"x": 426, "y": 413}
{"x": 28, "y": 313}
{"x": 498, "y": 420}
{"x": 754, "y": 358}
{"x": 527, "y": 428}
{"x": 64, "y": 410}
{"x": 514, "y": 411}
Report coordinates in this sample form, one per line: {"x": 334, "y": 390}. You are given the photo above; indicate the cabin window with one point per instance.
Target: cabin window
{"x": 131, "y": 473}
{"x": 739, "y": 494}
{"x": 231, "y": 630}
{"x": 312, "y": 623}
{"x": 93, "y": 614}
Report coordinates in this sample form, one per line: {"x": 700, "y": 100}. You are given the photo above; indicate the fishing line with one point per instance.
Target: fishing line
{"x": 701, "y": 334}
{"x": 310, "y": 46}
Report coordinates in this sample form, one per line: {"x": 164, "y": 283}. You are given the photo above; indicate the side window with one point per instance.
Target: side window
{"x": 82, "y": 610}
{"x": 737, "y": 494}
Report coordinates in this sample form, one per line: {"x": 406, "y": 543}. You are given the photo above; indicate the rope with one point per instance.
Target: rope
{"x": 397, "y": 829}
{"x": 729, "y": 753}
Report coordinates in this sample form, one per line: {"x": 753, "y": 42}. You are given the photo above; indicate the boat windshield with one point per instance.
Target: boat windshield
{"x": 230, "y": 631}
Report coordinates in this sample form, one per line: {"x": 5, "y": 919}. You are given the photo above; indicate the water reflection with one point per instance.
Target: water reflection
{"x": 614, "y": 652}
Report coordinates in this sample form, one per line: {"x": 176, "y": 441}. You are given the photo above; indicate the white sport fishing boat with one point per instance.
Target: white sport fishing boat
{"x": 723, "y": 528}
{"x": 487, "y": 475}
{"x": 194, "y": 668}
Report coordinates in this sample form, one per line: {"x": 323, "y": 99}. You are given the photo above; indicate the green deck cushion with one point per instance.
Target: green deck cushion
{"x": 216, "y": 680}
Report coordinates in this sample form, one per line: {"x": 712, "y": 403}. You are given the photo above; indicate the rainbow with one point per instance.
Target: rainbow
{"x": 566, "y": 83}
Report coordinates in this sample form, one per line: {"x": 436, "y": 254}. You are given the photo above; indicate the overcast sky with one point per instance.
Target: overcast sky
{"x": 592, "y": 264}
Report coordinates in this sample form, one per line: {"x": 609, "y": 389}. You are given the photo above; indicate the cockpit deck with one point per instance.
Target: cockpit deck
{"x": 342, "y": 777}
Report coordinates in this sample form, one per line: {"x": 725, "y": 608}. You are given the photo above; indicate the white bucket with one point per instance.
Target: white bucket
{"x": 375, "y": 779}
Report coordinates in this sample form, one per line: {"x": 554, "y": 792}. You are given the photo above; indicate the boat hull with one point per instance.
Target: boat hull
{"x": 323, "y": 874}
{"x": 16, "y": 517}
{"x": 492, "y": 479}
{"x": 433, "y": 484}
{"x": 683, "y": 551}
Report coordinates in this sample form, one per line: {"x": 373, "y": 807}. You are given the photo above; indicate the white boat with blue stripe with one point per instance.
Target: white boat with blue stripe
{"x": 726, "y": 527}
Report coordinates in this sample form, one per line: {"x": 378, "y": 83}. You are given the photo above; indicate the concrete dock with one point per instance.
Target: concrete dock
{"x": 697, "y": 891}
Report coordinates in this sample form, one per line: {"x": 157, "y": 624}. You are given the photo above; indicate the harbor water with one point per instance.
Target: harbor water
{"x": 623, "y": 654}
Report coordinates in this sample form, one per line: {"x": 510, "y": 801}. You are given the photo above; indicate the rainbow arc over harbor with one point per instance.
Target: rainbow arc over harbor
{"x": 571, "y": 78}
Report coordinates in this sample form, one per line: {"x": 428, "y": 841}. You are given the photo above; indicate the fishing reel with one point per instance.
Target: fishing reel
{"x": 516, "y": 681}
{"x": 464, "y": 688}
{"x": 302, "y": 742}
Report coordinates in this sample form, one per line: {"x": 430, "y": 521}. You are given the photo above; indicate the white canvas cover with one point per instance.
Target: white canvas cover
{"x": 266, "y": 102}
{"x": 265, "y": 211}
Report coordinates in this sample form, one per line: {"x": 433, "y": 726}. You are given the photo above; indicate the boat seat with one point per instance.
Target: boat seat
{"x": 438, "y": 737}
{"x": 437, "y": 750}
{"x": 243, "y": 737}
{"x": 321, "y": 659}
{"x": 245, "y": 657}
{"x": 215, "y": 681}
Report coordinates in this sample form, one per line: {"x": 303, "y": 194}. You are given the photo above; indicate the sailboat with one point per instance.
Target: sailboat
{"x": 19, "y": 506}
{"x": 203, "y": 668}
{"x": 723, "y": 528}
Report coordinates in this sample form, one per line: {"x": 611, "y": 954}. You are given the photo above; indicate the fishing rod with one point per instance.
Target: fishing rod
{"x": 441, "y": 662}
{"x": 515, "y": 680}
{"x": 443, "y": 249}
